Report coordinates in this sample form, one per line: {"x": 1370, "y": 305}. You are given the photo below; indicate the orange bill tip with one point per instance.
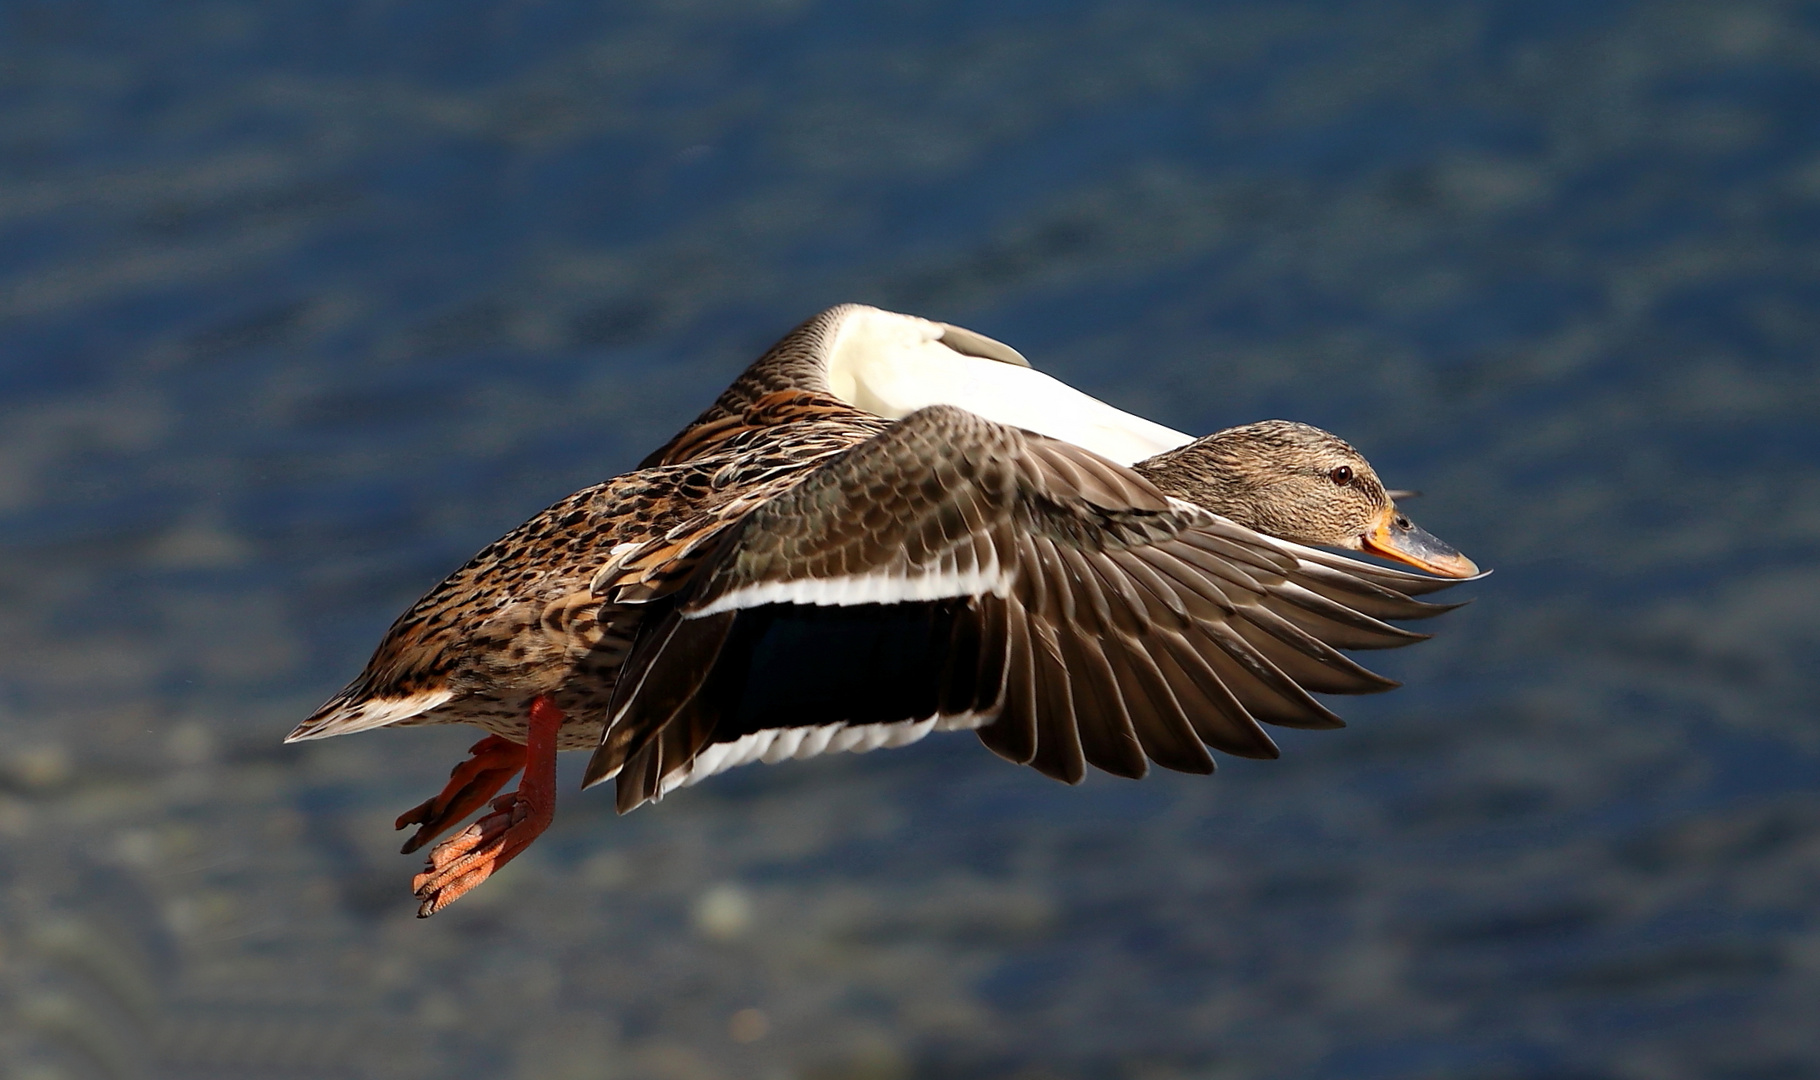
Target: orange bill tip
{"x": 1396, "y": 537}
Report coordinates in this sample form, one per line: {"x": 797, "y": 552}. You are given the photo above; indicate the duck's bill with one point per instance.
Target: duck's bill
{"x": 1397, "y": 537}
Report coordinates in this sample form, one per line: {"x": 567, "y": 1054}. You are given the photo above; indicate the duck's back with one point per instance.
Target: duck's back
{"x": 552, "y": 607}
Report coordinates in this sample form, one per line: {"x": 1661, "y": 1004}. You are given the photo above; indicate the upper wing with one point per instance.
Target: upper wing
{"x": 955, "y": 572}
{"x": 890, "y": 365}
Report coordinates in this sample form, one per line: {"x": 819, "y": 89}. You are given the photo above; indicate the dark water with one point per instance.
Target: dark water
{"x": 302, "y": 302}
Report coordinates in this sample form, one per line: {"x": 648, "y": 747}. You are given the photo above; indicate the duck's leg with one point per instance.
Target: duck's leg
{"x": 490, "y": 763}
{"x": 472, "y": 855}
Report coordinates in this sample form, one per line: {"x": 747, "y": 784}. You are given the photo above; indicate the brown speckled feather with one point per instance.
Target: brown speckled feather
{"x": 552, "y": 607}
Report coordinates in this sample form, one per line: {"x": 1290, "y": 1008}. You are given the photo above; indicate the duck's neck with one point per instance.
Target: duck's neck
{"x": 1220, "y": 473}
{"x": 1200, "y": 474}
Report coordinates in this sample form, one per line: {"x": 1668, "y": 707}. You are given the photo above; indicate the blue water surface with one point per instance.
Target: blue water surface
{"x": 303, "y": 303}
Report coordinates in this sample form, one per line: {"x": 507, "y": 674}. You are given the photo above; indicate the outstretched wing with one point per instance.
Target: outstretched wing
{"x": 952, "y": 572}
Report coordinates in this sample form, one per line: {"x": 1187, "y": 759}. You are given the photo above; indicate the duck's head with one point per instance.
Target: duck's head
{"x": 1301, "y": 484}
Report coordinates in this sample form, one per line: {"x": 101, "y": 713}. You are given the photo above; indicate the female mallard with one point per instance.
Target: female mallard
{"x": 889, "y": 526}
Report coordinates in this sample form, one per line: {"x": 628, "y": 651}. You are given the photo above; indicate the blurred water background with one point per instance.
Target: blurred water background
{"x": 303, "y": 301}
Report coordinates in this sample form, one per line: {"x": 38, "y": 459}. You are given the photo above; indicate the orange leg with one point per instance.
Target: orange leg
{"x": 491, "y": 762}
{"x": 472, "y": 855}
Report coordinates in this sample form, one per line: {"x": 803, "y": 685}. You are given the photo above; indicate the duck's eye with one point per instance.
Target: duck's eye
{"x": 1341, "y": 475}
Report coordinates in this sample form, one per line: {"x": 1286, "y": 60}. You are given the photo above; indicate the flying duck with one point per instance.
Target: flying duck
{"x": 889, "y": 526}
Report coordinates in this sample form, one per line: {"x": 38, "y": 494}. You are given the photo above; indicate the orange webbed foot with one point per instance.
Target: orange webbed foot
{"x": 490, "y": 763}
{"x": 471, "y": 856}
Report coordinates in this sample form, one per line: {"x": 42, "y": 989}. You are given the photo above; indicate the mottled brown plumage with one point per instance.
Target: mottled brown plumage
{"x": 794, "y": 574}
{"x": 552, "y": 606}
